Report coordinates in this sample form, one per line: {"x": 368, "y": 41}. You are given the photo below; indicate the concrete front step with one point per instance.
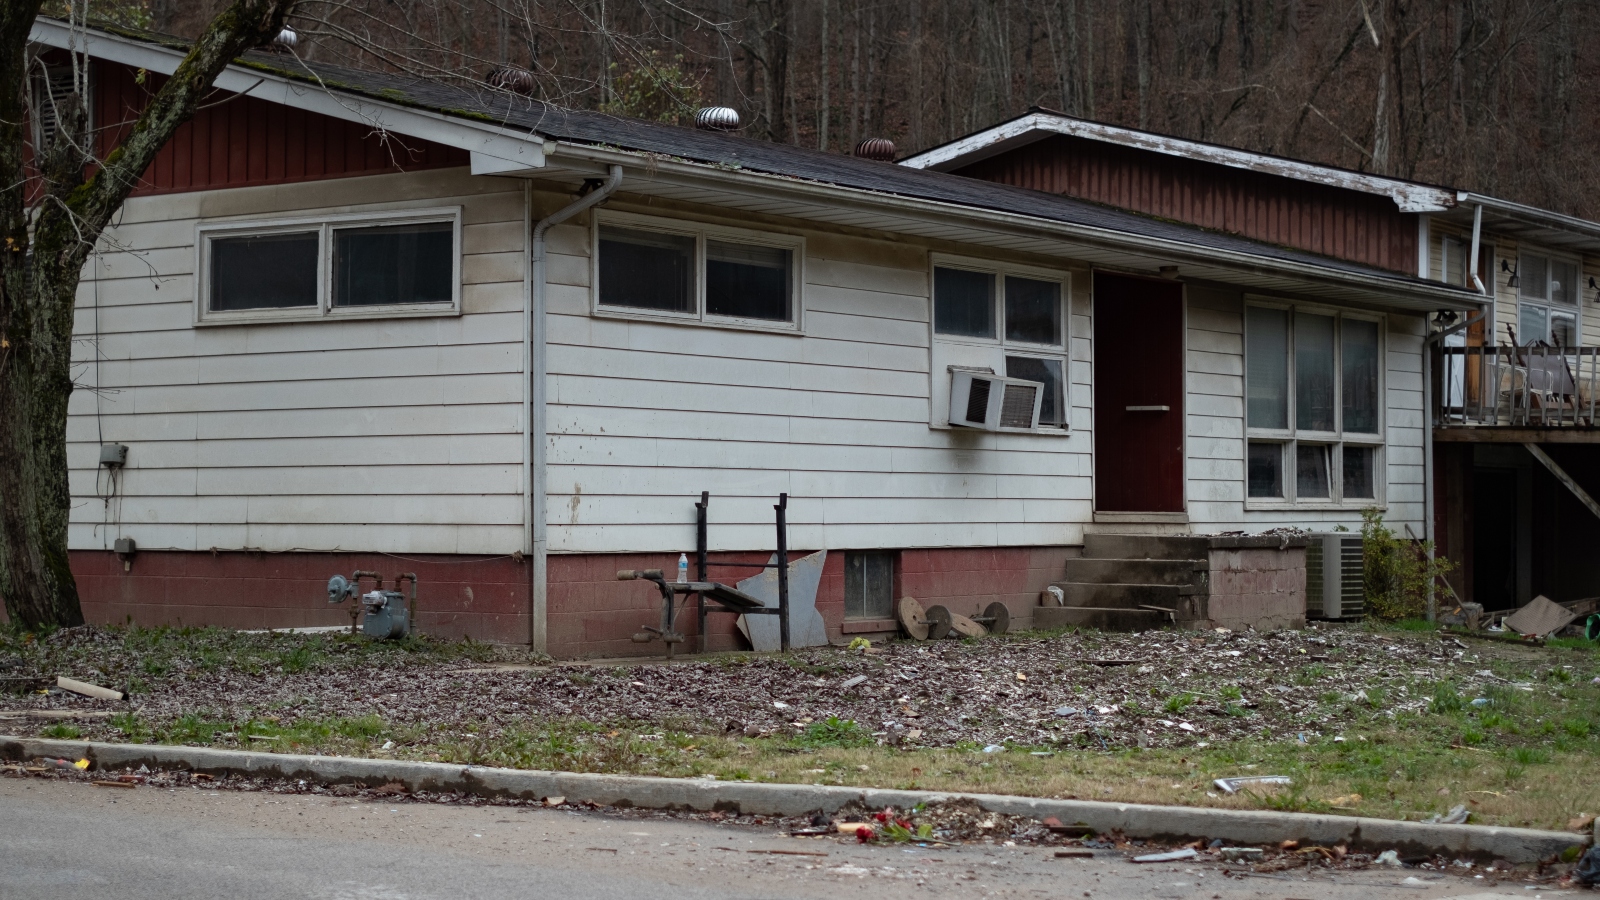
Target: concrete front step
{"x": 1122, "y": 596}
{"x": 1136, "y": 571}
{"x": 1145, "y": 546}
{"x": 1046, "y": 618}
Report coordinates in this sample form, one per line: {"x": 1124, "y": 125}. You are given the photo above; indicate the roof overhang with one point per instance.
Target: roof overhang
{"x": 763, "y": 194}
{"x": 1409, "y": 196}
{"x": 1540, "y": 227}
{"x": 511, "y": 147}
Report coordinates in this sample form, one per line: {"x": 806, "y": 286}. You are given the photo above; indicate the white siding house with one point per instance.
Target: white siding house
{"x": 272, "y": 447}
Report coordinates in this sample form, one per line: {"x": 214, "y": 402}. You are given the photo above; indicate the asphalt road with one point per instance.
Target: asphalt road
{"x": 72, "y": 840}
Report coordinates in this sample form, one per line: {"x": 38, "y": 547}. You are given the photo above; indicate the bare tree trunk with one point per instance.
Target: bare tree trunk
{"x": 39, "y": 271}
{"x": 1141, "y": 32}
{"x": 824, "y": 109}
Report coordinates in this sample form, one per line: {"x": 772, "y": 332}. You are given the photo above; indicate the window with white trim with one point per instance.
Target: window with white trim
{"x": 385, "y": 264}
{"x": 1547, "y": 299}
{"x": 1313, "y": 407}
{"x": 684, "y": 271}
{"x": 1011, "y": 321}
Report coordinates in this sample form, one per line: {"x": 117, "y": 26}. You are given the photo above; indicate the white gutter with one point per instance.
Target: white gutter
{"x": 1532, "y": 214}
{"x": 1477, "y": 235}
{"x": 535, "y": 367}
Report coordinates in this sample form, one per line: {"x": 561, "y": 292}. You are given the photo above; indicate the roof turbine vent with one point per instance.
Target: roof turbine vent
{"x": 508, "y": 78}
{"x": 717, "y": 118}
{"x": 880, "y": 149}
{"x": 286, "y": 39}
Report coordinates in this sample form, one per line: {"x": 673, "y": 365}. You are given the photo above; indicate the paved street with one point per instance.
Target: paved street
{"x": 64, "y": 840}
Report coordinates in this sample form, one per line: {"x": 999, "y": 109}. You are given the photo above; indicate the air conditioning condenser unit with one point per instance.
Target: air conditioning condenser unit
{"x": 1335, "y": 582}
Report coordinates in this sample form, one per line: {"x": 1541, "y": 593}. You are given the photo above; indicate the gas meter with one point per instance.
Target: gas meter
{"x": 388, "y": 613}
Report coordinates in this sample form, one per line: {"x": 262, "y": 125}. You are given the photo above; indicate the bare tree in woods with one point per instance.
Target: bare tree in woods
{"x": 57, "y": 199}
{"x": 1484, "y": 94}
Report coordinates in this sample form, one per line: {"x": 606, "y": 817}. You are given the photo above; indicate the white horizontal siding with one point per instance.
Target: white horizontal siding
{"x": 645, "y": 415}
{"x": 395, "y": 435}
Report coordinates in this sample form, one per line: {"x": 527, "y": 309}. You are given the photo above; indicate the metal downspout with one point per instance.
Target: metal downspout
{"x": 1477, "y": 235}
{"x": 534, "y": 402}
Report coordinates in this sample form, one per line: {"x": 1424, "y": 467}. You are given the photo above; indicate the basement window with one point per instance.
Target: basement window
{"x": 387, "y": 264}
{"x": 1313, "y": 407}
{"x": 670, "y": 270}
{"x": 869, "y": 585}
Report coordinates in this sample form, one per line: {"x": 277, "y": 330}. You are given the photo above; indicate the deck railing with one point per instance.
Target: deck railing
{"x": 1541, "y": 387}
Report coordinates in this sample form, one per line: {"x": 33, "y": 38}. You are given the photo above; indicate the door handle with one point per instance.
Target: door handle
{"x": 1149, "y": 409}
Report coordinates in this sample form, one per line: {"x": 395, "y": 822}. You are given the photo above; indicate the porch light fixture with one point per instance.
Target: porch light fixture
{"x": 1505, "y": 266}
{"x": 1594, "y": 287}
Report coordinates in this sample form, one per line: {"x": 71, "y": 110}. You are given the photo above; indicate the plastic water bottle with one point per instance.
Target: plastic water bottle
{"x": 683, "y": 568}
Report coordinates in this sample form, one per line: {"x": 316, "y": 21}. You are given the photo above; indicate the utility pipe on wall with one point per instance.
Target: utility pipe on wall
{"x": 535, "y": 369}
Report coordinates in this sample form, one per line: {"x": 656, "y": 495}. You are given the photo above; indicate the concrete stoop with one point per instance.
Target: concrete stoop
{"x": 1134, "y": 582}
{"x": 1138, "y": 821}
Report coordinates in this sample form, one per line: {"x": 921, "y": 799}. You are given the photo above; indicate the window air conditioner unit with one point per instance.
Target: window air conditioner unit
{"x": 1335, "y": 586}
{"x": 979, "y": 399}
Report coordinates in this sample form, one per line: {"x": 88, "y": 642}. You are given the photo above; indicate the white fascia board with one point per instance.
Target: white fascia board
{"x": 519, "y": 148}
{"x": 1380, "y": 289}
{"x": 1532, "y": 215}
{"x": 1408, "y": 196}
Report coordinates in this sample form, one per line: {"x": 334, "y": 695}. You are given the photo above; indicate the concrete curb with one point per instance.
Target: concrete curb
{"x": 1177, "y": 823}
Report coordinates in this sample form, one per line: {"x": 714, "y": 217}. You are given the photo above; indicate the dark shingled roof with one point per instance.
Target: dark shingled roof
{"x": 481, "y": 103}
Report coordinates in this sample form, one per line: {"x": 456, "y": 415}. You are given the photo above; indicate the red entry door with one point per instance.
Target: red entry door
{"x": 1138, "y": 394}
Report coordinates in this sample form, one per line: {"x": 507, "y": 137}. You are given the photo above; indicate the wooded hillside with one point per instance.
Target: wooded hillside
{"x": 1493, "y": 95}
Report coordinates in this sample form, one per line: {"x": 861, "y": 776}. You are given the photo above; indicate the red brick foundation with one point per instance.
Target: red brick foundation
{"x": 590, "y": 613}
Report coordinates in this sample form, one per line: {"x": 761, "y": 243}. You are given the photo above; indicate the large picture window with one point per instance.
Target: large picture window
{"x": 391, "y": 264}
{"x": 684, "y": 271}
{"x": 1313, "y": 406}
{"x": 1547, "y": 308}
{"x": 1015, "y": 322}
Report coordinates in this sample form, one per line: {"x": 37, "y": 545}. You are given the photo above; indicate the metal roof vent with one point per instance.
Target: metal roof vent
{"x": 717, "y": 118}
{"x": 880, "y": 149}
{"x": 286, "y": 39}
{"x": 508, "y": 78}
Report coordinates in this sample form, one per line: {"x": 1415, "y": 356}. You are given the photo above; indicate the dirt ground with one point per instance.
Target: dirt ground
{"x": 1402, "y": 723}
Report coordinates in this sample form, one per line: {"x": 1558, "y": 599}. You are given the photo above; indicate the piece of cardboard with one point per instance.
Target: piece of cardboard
{"x": 1540, "y": 617}
{"x": 806, "y": 628}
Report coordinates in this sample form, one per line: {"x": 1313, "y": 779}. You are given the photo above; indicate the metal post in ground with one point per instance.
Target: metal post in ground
{"x": 783, "y": 571}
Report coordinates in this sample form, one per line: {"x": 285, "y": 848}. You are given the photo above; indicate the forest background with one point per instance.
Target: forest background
{"x": 1495, "y": 96}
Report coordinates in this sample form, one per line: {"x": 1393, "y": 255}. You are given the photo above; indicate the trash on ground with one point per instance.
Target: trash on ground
{"x": 849, "y": 683}
{"x": 1457, "y": 815}
{"x": 1389, "y": 858}
{"x": 1169, "y": 856}
{"x": 86, "y": 689}
{"x": 1242, "y": 854}
{"x": 1232, "y": 785}
{"x": 1074, "y": 854}
{"x": 994, "y": 748}
{"x": 119, "y": 784}
{"x": 1588, "y": 871}
{"x": 1540, "y": 618}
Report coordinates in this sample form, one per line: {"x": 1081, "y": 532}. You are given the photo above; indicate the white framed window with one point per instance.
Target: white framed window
{"x": 1548, "y": 295}
{"x": 1314, "y": 407}
{"x": 677, "y": 271}
{"x": 1011, "y": 320}
{"x": 368, "y": 265}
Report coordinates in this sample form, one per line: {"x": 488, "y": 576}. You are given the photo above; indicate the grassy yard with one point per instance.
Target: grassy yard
{"x": 1521, "y": 749}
